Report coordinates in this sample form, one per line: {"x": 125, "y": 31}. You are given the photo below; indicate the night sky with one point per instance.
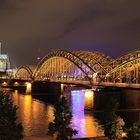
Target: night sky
{"x": 29, "y": 28}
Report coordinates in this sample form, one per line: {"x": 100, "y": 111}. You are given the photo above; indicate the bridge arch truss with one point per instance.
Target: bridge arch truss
{"x": 84, "y": 65}
{"x": 126, "y": 69}
{"x": 72, "y": 65}
{"x": 25, "y": 72}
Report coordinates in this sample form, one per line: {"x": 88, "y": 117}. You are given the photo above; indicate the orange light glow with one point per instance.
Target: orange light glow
{"x": 124, "y": 134}
{"x": 4, "y": 84}
{"x": 28, "y": 87}
{"x": 16, "y": 84}
{"x": 89, "y": 99}
{"x": 88, "y": 94}
{"x": 27, "y": 109}
{"x": 62, "y": 88}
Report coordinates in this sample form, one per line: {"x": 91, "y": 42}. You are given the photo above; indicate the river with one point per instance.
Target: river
{"x": 35, "y": 114}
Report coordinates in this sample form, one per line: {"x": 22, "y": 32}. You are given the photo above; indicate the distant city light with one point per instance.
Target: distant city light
{"x": 4, "y": 84}
{"x": 124, "y": 134}
{"x": 38, "y": 58}
{"x": 16, "y": 83}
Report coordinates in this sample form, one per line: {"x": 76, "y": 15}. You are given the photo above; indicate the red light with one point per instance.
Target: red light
{"x": 38, "y": 58}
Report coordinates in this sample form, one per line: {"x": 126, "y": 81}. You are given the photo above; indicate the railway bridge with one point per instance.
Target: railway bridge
{"x": 85, "y": 67}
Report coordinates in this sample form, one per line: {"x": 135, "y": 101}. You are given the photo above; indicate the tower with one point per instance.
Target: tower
{"x": 38, "y": 58}
{"x": 0, "y": 48}
{"x": 4, "y": 61}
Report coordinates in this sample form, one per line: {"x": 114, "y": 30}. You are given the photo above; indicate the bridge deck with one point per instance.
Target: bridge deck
{"x": 107, "y": 84}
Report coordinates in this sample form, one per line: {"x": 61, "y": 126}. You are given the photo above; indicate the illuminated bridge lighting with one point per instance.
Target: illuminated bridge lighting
{"x": 28, "y": 87}
{"x": 84, "y": 66}
{"x": 4, "y": 84}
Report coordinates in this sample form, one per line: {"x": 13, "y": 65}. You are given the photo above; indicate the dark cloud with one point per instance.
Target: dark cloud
{"x": 103, "y": 25}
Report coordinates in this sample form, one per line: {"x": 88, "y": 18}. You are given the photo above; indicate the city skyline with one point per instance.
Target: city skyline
{"x": 29, "y": 29}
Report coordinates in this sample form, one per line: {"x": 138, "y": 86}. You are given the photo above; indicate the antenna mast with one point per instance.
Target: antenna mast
{"x": 0, "y": 48}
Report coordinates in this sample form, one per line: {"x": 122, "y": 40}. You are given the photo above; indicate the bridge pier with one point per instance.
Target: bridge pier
{"x": 46, "y": 87}
{"x": 127, "y": 98}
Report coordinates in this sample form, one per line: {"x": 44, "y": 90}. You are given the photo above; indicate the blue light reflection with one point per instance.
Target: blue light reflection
{"x": 85, "y": 123}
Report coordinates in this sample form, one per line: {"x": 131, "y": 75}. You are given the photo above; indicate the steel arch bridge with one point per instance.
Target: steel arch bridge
{"x": 70, "y": 65}
{"x": 25, "y": 72}
{"x": 84, "y": 66}
{"x": 125, "y": 69}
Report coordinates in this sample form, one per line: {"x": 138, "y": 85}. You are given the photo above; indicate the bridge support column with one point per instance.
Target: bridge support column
{"x": 40, "y": 87}
{"x": 120, "y": 75}
{"x": 127, "y": 98}
{"x": 114, "y": 77}
{"x": 137, "y": 74}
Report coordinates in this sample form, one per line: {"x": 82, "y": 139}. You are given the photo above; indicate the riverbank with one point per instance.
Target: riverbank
{"x": 38, "y": 138}
{"x": 120, "y": 110}
{"x": 50, "y": 138}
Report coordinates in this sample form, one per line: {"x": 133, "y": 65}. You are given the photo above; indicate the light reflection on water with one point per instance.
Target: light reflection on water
{"x": 35, "y": 115}
{"x": 88, "y": 99}
{"x": 86, "y": 124}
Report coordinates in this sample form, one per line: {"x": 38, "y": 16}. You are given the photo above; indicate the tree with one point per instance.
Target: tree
{"x": 112, "y": 124}
{"x": 114, "y": 128}
{"x": 9, "y": 128}
{"x": 133, "y": 133}
{"x": 61, "y": 124}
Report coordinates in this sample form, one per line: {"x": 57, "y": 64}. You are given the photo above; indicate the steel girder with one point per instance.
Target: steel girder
{"x": 28, "y": 68}
{"x": 126, "y": 61}
{"x": 80, "y": 59}
{"x": 58, "y": 67}
{"x": 91, "y": 62}
{"x": 95, "y": 60}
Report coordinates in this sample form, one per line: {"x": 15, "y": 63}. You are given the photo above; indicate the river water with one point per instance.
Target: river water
{"x": 35, "y": 114}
